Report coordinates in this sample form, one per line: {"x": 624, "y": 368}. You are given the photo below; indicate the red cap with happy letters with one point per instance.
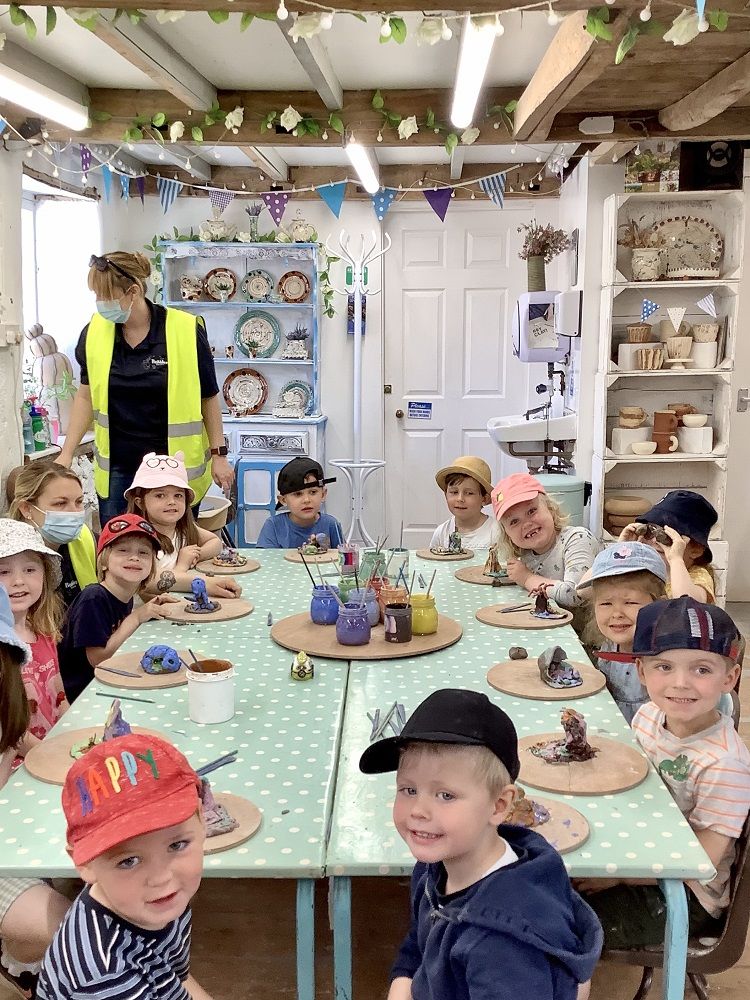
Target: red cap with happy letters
{"x": 124, "y": 788}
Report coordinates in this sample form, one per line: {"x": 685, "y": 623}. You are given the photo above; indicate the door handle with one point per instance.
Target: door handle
{"x": 399, "y": 414}
{"x": 743, "y": 400}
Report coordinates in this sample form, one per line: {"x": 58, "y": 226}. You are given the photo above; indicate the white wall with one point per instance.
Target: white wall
{"x": 129, "y": 225}
{"x": 11, "y": 315}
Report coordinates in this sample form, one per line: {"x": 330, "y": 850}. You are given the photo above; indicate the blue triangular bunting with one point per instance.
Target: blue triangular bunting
{"x": 381, "y": 201}
{"x": 333, "y": 196}
{"x": 106, "y": 181}
{"x": 494, "y": 188}
{"x": 168, "y": 191}
{"x": 124, "y": 187}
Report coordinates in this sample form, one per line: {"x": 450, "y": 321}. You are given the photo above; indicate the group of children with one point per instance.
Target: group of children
{"x": 493, "y": 912}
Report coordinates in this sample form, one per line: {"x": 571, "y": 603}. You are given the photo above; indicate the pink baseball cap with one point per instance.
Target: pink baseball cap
{"x": 514, "y": 489}
{"x": 161, "y": 470}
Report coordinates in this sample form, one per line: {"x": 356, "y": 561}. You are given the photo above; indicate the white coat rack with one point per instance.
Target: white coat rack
{"x": 357, "y": 470}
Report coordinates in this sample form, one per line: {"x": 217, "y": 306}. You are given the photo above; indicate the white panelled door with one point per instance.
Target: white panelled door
{"x": 450, "y": 291}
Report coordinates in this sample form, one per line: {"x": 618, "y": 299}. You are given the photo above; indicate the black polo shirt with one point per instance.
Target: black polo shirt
{"x": 138, "y": 389}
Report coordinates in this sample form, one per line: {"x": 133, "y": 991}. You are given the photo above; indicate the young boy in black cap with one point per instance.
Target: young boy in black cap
{"x": 301, "y": 489}
{"x": 686, "y": 518}
{"x": 494, "y": 916}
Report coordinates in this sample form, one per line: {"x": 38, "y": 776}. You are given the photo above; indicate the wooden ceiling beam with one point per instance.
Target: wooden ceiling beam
{"x": 457, "y": 162}
{"x": 363, "y": 6}
{"x": 734, "y": 123}
{"x": 710, "y": 99}
{"x": 611, "y": 152}
{"x": 313, "y": 58}
{"x": 268, "y": 162}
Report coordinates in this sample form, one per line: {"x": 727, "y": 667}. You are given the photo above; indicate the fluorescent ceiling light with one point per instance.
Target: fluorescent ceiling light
{"x": 476, "y": 48}
{"x": 46, "y": 91}
{"x": 362, "y": 162}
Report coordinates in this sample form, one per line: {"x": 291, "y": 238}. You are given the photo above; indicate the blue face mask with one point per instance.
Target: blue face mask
{"x": 61, "y": 527}
{"x": 111, "y": 310}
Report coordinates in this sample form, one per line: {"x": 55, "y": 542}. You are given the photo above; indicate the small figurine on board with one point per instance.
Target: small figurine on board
{"x": 215, "y": 816}
{"x": 114, "y": 726}
{"x": 493, "y": 567}
{"x": 573, "y": 747}
{"x": 201, "y": 604}
{"x": 527, "y": 812}
{"x": 229, "y": 558}
{"x": 454, "y": 548}
{"x": 161, "y": 660}
{"x": 316, "y": 545}
{"x": 302, "y": 667}
{"x": 518, "y": 653}
{"x": 652, "y": 531}
{"x": 555, "y": 670}
{"x": 542, "y": 606}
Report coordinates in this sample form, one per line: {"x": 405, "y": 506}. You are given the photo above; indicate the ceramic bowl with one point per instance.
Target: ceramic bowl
{"x": 639, "y": 333}
{"x": 679, "y": 347}
{"x": 650, "y": 359}
{"x": 705, "y": 333}
{"x": 695, "y": 419}
{"x": 643, "y": 447}
{"x": 624, "y": 505}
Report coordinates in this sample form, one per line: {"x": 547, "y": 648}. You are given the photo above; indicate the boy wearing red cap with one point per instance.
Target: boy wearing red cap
{"x": 102, "y": 617}
{"x": 135, "y": 834}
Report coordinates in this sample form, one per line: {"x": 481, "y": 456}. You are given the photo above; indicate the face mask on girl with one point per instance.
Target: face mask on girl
{"x": 61, "y": 527}
{"x": 111, "y": 310}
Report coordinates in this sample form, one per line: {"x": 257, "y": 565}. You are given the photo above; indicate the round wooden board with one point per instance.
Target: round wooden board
{"x": 132, "y": 661}
{"x": 475, "y": 574}
{"x": 50, "y": 760}
{"x": 521, "y": 678}
{"x": 231, "y": 607}
{"x": 616, "y": 768}
{"x": 519, "y": 619}
{"x": 206, "y": 566}
{"x": 300, "y": 632}
{"x": 566, "y": 829}
{"x": 294, "y": 556}
{"x": 247, "y": 814}
{"x": 427, "y": 554}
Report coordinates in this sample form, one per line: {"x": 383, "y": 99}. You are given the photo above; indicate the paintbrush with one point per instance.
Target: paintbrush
{"x": 214, "y": 765}
{"x": 329, "y": 588}
{"x": 411, "y": 585}
{"x": 432, "y": 580}
{"x": 514, "y": 607}
{"x": 401, "y": 537}
{"x": 197, "y": 667}
{"x": 304, "y": 563}
{"x": 116, "y": 670}
{"x": 124, "y": 697}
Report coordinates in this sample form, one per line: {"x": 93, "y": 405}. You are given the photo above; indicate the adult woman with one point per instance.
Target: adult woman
{"x": 148, "y": 381}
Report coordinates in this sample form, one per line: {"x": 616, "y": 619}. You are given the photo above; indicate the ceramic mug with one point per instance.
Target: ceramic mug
{"x": 665, "y": 421}
{"x": 647, "y": 263}
{"x": 664, "y": 442}
{"x": 632, "y": 416}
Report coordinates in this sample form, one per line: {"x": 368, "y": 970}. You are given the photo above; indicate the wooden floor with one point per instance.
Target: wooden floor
{"x": 244, "y": 941}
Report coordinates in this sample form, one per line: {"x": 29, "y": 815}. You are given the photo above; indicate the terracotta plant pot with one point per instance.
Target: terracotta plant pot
{"x": 650, "y": 359}
{"x": 639, "y": 333}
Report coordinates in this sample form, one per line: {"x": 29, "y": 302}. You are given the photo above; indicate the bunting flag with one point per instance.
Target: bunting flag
{"x": 107, "y": 181}
{"x": 675, "y": 314}
{"x": 381, "y": 201}
{"x": 333, "y": 196}
{"x": 439, "y": 201}
{"x": 220, "y": 199}
{"x": 276, "y": 202}
{"x": 168, "y": 191}
{"x": 494, "y": 188}
{"x": 85, "y": 158}
{"x": 125, "y": 187}
{"x": 707, "y": 304}
{"x": 648, "y": 309}
{"x": 140, "y": 183}
{"x": 3, "y": 123}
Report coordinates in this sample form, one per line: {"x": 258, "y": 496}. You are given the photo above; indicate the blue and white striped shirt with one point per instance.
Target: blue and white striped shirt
{"x": 96, "y": 953}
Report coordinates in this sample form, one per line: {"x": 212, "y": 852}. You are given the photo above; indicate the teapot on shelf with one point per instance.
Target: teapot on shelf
{"x": 301, "y": 231}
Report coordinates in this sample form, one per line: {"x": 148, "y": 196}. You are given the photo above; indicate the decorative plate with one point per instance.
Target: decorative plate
{"x": 300, "y": 393}
{"x": 257, "y": 286}
{"x": 245, "y": 391}
{"x": 220, "y": 284}
{"x": 294, "y": 286}
{"x": 261, "y": 327}
{"x": 694, "y": 240}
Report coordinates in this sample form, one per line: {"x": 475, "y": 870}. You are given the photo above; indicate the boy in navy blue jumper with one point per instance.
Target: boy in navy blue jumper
{"x": 494, "y": 916}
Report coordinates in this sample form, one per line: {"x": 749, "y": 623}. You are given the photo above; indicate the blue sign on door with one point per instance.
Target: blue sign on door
{"x": 419, "y": 411}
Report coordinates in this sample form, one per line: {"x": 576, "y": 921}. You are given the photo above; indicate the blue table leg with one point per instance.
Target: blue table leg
{"x": 305, "y": 939}
{"x": 342, "y": 937}
{"x": 675, "y": 939}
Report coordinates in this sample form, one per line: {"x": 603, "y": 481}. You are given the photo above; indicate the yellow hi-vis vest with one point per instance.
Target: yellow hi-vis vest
{"x": 185, "y": 429}
{"x": 82, "y": 552}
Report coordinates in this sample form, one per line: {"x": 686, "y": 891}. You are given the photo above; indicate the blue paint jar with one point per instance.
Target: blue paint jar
{"x": 353, "y": 625}
{"x": 371, "y": 603}
{"x": 324, "y": 607}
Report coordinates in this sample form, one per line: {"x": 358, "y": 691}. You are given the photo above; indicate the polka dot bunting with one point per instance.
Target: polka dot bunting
{"x": 381, "y": 201}
{"x": 276, "y": 204}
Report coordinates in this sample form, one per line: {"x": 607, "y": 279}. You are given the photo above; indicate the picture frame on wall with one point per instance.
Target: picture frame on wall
{"x": 654, "y": 167}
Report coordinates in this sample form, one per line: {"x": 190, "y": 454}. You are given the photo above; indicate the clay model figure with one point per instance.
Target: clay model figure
{"x": 493, "y": 567}
{"x": 215, "y": 815}
{"x": 526, "y": 812}
{"x": 161, "y": 660}
{"x": 454, "y": 548}
{"x": 573, "y": 747}
{"x": 555, "y": 670}
{"x": 542, "y": 606}
{"x": 302, "y": 667}
{"x": 646, "y": 531}
{"x": 201, "y": 604}
{"x": 229, "y": 557}
{"x": 316, "y": 545}
{"x": 114, "y": 726}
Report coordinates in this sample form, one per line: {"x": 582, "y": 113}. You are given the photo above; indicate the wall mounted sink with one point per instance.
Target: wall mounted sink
{"x": 516, "y": 428}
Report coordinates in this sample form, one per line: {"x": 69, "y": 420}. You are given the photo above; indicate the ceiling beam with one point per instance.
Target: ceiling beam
{"x": 710, "y": 99}
{"x": 268, "y": 162}
{"x": 176, "y": 153}
{"x": 573, "y": 61}
{"x": 298, "y": 6}
{"x": 144, "y": 49}
{"x": 457, "y": 163}
{"x": 610, "y": 152}
{"x": 734, "y": 123}
{"x": 313, "y": 58}
{"x": 109, "y": 154}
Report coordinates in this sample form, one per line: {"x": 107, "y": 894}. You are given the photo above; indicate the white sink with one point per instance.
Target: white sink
{"x": 506, "y": 430}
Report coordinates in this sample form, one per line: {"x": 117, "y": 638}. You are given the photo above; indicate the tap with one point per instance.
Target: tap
{"x": 544, "y": 408}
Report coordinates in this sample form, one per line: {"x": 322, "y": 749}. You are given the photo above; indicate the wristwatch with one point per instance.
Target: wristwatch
{"x": 222, "y": 451}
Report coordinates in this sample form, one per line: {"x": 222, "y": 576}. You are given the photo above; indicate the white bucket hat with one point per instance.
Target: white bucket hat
{"x": 7, "y": 636}
{"x": 15, "y": 537}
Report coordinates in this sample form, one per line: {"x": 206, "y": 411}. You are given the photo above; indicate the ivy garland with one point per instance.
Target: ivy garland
{"x": 684, "y": 28}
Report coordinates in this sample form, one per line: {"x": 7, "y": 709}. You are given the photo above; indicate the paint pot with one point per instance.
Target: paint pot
{"x": 424, "y": 616}
{"x": 371, "y": 603}
{"x": 353, "y": 625}
{"x": 391, "y": 595}
{"x": 324, "y": 608}
{"x": 348, "y": 559}
{"x": 345, "y": 587}
{"x": 368, "y": 560}
{"x": 398, "y": 559}
{"x": 397, "y": 619}
{"x": 211, "y": 692}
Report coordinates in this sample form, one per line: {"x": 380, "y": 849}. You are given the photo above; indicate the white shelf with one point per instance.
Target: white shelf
{"x": 676, "y": 456}
{"x": 722, "y": 373}
{"x": 244, "y": 362}
{"x": 683, "y": 283}
{"x": 236, "y": 304}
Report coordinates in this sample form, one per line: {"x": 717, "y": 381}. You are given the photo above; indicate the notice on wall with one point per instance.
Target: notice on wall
{"x": 419, "y": 411}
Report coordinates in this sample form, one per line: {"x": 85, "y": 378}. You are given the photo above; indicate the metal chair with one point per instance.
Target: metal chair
{"x": 703, "y": 960}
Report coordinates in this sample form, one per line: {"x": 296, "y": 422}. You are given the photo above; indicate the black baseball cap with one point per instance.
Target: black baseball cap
{"x": 687, "y": 512}
{"x": 292, "y": 477}
{"x": 684, "y": 623}
{"x": 466, "y": 718}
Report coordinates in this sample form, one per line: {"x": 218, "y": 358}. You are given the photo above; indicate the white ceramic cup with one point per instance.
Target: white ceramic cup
{"x": 211, "y": 696}
{"x": 704, "y": 355}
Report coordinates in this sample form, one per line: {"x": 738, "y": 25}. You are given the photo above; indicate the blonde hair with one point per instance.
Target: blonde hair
{"x": 111, "y": 284}
{"x": 559, "y": 521}
{"x": 643, "y": 580}
{"x": 102, "y": 563}
{"x": 488, "y": 769}
{"x": 45, "y": 616}
{"x": 186, "y": 530}
{"x": 25, "y": 483}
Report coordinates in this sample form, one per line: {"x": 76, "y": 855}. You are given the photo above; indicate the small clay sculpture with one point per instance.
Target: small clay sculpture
{"x": 453, "y": 548}
{"x": 302, "y": 667}
{"x": 229, "y": 558}
{"x": 655, "y": 531}
{"x": 215, "y": 816}
{"x": 526, "y": 812}
{"x": 573, "y": 747}
{"x": 316, "y": 545}
{"x": 201, "y": 603}
{"x": 493, "y": 567}
{"x": 518, "y": 653}
{"x": 161, "y": 660}
{"x": 542, "y": 606}
{"x": 555, "y": 670}
{"x": 114, "y": 726}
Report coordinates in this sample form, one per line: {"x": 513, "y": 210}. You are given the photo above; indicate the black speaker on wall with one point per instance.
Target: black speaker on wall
{"x": 711, "y": 166}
